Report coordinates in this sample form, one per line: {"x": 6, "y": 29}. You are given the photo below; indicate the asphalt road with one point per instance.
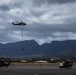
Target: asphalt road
{"x": 36, "y": 70}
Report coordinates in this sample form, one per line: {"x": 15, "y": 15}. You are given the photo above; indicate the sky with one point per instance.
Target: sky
{"x": 47, "y": 20}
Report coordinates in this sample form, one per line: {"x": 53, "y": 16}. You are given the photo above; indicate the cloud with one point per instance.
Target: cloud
{"x": 4, "y": 7}
{"x": 41, "y": 2}
{"x": 47, "y": 20}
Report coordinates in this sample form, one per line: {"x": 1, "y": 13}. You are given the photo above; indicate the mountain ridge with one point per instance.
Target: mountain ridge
{"x": 31, "y": 47}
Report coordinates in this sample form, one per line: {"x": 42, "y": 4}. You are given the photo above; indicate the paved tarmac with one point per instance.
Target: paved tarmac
{"x": 36, "y": 69}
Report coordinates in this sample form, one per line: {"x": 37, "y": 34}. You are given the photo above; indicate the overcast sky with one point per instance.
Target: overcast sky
{"x": 47, "y": 20}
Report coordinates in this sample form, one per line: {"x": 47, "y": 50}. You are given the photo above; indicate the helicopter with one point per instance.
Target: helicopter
{"x": 5, "y": 62}
{"x": 20, "y": 23}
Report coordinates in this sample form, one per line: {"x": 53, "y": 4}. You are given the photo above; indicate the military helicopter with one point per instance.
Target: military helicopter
{"x": 20, "y": 23}
{"x": 5, "y": 62}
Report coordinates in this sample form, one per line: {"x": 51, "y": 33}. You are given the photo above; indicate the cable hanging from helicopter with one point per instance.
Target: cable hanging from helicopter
{"x": 20, "y": 24}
